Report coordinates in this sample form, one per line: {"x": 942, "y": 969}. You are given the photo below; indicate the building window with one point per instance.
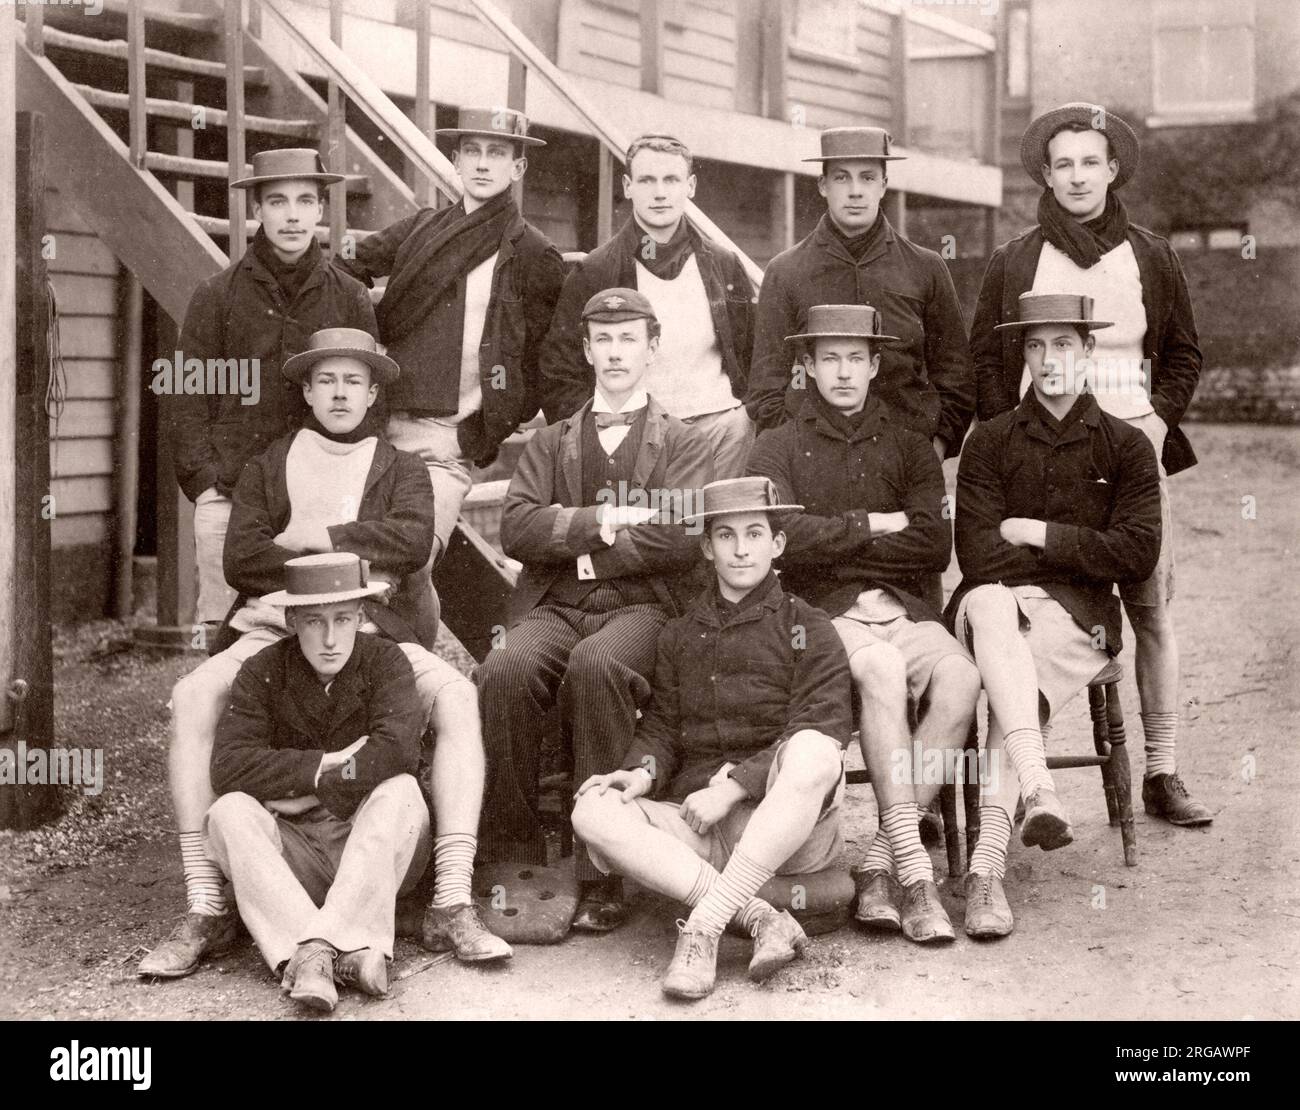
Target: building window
{"x": 1017, "y": 86}
{"x": 828, "y": 28}
{"x": 1204, "y": 64}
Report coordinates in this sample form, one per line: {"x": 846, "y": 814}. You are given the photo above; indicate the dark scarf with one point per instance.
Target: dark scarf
{"x": 369, "y": 426}
{"x": 451, "y": 245}
{"x": 1083, "y": 243}
{"x": 846, "y": 425}
{"x": 289, "y": 276}
{"x": 858, "y": 245}
{"x": 664, "y": 260}
{"x": 729, "y": 609}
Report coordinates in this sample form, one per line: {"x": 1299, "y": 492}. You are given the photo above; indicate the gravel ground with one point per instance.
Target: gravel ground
{"x": 1205, "y": 926}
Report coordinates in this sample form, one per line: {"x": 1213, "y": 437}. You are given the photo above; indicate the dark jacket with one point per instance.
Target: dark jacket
{"x": 926, "y": 378}
{"x": 393, "y": 532}
{"x": 526, "y": 281}
{"x": 733, "y": 692}
{"x": 883, "y": 467}
{"x": 568, "y": 380}
{"x": 1171, "y": 344}
{"x": 280, "y": 720}
{"x": 241, "y": 313}
{"x": 1096, "y": 485}
{"x": 546, "y": 527}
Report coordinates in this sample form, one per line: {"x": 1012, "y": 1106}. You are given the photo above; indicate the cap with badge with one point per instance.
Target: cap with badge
{"x": 610, "y": 306}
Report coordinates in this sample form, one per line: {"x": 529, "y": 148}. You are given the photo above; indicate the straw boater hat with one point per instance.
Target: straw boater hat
{"x": 833, "y": 321}
{"x": 349, "y": 342}
{"x": 323, "y": 580}
{"x": 1124, "y": 143}
{"x": 493, "y": 123}
{"x": 1054, "y": 308}
{"x": 855, "y": 142}
{"x": 740, "y": 495}
{"x": 298, "y": 163}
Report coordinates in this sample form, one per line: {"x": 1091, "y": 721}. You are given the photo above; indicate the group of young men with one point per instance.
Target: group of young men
{"x": 709, "y": 616}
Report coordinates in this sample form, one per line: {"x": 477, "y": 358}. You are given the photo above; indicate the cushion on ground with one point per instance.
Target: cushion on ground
{"x": 819, "y": 901}
{"x": 526, "y": 904}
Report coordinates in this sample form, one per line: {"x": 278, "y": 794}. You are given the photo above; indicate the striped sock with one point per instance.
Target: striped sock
{"x": 911, "y": 859}
{"x": 453, "y": 869}
{"x": 745, "y": 917}
{"x": 1025, "y": 748}
{"x": 203, "y": 878}
{"x": 730, "y": 895}
{"x": 1158, "y": 731}
{"x": 879, "y": 857}
{"x": 990, "y": 855}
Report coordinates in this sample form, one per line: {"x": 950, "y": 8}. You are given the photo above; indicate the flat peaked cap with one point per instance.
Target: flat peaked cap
{"x": 855, "y": 142}
{"x": 1054, "y": 308}
{"x": 833, "y": 321}
{"x": 347, "y": 342}
{"x": 499, "y": 123}
{"x": 287, "y": 163}
{"x": 611, "y": 305}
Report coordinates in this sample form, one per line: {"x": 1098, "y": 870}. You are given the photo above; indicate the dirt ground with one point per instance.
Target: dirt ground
{"x": 1206, "y": 926}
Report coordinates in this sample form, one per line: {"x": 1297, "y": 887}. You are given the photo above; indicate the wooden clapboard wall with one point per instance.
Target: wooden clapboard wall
{"x": 838, "y": 72}
{"x": 84, "y": 274}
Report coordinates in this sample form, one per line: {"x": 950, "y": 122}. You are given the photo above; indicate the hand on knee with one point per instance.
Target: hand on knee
{"x": 594, "y": 814}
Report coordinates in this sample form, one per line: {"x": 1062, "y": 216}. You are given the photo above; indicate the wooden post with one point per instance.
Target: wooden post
{"x": 8, "y": 370}
{"x": 775, "y": 54}
{"x": 29, "y": 690}
{"x": 517, "y": 91}
{"x": 423, "y": 106}
{"x": 177, "y": 581}
{"x": 652, "y": 49}
{"x": 337, "y": 160}
{"x": 782, "y": 212}
{"x": 34, "y": 28}
{"x": 255, "y": 18}
{"x": 137, "y": 115}
{"x": 994, "y": 155}
{"x": 126, "y": 468}
{"x": 605, "y": 196}
{"x": 238, "y": 204}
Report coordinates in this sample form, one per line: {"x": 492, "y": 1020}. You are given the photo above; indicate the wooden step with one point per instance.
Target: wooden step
{"x": 173, "y": 165}
{"x": 112, "y": 19}
{"x": 163, "y": 60}
{"x": 219, "y": 228}
{"x": 175, "y": 110}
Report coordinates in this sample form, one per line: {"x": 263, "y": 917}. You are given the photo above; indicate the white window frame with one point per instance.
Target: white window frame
{"x": 1175, "y": 17}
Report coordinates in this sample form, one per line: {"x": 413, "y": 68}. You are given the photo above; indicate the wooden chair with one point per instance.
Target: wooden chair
{"x": 1111, "y": 756}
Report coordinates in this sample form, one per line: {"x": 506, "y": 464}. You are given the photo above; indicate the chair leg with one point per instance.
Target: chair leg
{"x": 1120, "y": 776}
{"x": 1097, "y": 700}
{"x": 970, "y": 792}
{"x": 951, "y": 833}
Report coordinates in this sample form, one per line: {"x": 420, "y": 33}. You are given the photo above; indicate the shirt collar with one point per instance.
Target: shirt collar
{"x": 1084, "y": 411}
{"x": 638, "y": 400}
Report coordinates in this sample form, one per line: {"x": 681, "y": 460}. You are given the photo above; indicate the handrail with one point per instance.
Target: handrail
{"x": 614, "y": 141}
{"x": 137, "y": 109}
{"x": 368, "y": 96}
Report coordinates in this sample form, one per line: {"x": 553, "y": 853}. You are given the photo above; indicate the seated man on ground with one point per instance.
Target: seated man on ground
{"x": 737, "y": 770}
{"x": 320, "y": 822}
{"x": 873, "y": 534}
{"x": 1057, "y": 501}
{"x": 334, "y": 485}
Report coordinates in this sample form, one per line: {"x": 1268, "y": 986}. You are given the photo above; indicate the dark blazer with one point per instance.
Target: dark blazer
{"x": 1171, "y": 344}
{"x": 526, "y": 281}
{"x": 1098, "y": 488}
{"x": 546, "y": 527}
{"x": 567, "y": 379}
{"x": 281, "y": 720}
{"x": 734, "y": 691}
{"x": 883, "y": 467}
{"x": 926, "y": 378}
{"x": 393, "y": 532}
{"x": 241, "y": 313}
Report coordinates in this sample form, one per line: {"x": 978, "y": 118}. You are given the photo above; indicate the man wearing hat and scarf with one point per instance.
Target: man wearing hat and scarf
{"x": 335, "y": 485}
{"x": 262, "y": 307}
{"x": 470, "y": 293}
{"x": 592, "y": 514}
{"x": 854, "y": 256}
{"x": 320, "y": 823}
{"x": 699, "y": 290}
{"x": 874, "y": 533}
{"x": 1057, "y": 501}
{"x": 737, "y": 770}
{"x": 1145, "y": 368}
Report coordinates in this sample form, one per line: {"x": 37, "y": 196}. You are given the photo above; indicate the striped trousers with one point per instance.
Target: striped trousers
{"x": 595, "y": 663}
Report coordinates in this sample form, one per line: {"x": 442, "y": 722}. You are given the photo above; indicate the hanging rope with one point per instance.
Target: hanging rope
{"x": 56, "y": 389}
